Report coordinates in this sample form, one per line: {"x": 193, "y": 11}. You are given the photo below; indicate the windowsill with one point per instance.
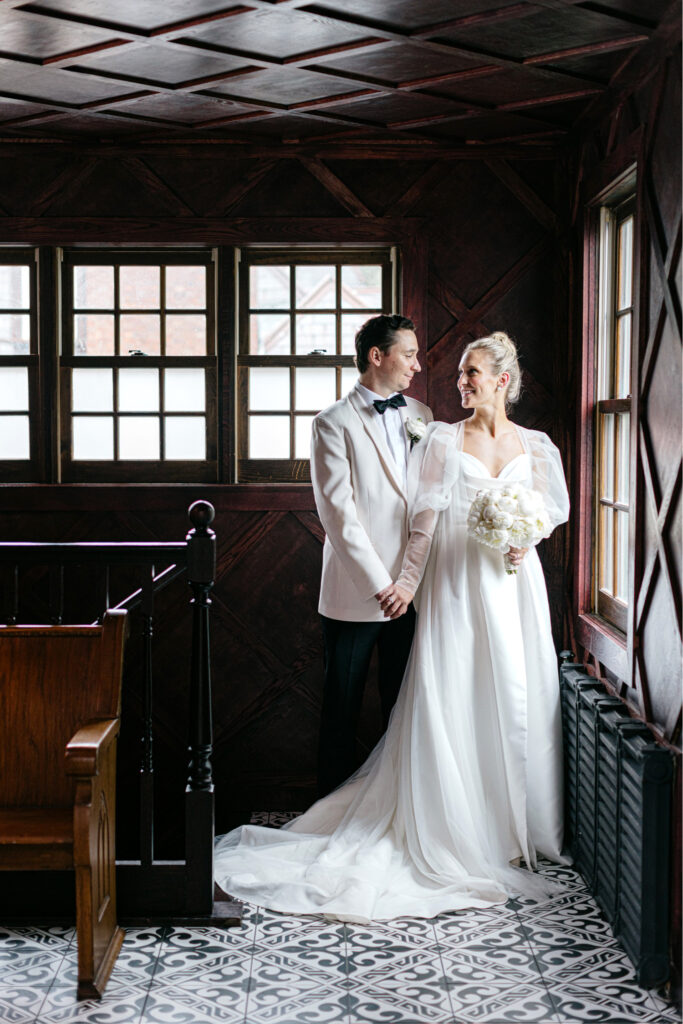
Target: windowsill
{"x": 607, "y": 644}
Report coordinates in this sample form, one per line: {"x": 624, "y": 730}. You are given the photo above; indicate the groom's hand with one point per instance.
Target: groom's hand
{"x": 394, "y": 601}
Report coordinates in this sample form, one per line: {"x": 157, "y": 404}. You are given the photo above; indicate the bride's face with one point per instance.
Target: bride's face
{"x": 477, "y": 383}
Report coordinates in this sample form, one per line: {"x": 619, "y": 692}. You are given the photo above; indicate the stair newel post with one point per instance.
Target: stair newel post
{"x": 147, "y": 739}
{"x": 199, "y": 799}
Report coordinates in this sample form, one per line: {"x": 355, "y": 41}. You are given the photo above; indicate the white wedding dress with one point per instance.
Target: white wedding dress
{"x": 469, "y": 774}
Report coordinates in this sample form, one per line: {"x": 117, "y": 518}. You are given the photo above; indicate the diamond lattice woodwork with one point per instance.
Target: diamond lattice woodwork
{"x": 298, "y": 70}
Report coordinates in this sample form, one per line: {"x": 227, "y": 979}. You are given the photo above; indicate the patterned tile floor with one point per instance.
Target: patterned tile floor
{"x": 527, "y": 962}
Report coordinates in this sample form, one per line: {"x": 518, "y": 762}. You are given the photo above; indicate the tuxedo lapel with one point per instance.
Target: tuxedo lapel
{"x": 374, "y": 431}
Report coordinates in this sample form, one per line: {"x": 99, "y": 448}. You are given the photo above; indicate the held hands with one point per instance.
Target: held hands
{"x": 394, "y": 601}
{"x": 515, "y": 555}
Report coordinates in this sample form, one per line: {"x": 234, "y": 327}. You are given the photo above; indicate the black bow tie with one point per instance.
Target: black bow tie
{"x": 382, "y": 404}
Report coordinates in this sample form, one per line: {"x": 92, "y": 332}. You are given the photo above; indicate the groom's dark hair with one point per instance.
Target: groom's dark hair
{"x": 379, "y": 331}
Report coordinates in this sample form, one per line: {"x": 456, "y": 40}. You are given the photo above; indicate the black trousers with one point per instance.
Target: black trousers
{"x": 348, "y": 649}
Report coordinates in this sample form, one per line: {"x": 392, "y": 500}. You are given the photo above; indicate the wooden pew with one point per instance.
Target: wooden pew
{"x": 60, "y": 705}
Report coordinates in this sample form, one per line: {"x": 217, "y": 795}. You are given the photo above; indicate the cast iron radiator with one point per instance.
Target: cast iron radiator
{"x": 618, "y": 785}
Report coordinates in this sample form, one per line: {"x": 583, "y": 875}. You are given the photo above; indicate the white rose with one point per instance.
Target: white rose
{"x": 415, "y": 428}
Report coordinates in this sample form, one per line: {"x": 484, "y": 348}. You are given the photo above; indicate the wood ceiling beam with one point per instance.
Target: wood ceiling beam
{"x": 337, "y": 146}
{"x": 527, "y": 9}
{"x": 588, "y": 50}
{"x": 409, "y": 37}
{"x": 463, "y": 109}
{"x": 638, "y": 67}
{"x": 380, "y": 34}
{"x": 620, "y": 18}
{"x": 369, "y": 86}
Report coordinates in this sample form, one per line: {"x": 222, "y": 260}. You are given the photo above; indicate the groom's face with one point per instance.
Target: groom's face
{"x": 398, "y": 366}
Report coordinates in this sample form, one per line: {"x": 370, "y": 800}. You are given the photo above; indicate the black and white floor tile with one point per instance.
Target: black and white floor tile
{"x": 547, "y": 962}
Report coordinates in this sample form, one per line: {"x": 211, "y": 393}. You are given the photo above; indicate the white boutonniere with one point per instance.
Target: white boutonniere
{"x": 415, "y": 429}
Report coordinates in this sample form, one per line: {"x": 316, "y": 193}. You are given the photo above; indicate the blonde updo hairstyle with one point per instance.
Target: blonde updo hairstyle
{"x": 502, "y": 352}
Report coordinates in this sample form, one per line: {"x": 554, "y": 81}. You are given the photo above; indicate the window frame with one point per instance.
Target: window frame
{"x": 25, "y": 470}
{"x": 295, "y": 470}
{"x": 617, "y": 177}
{"x": 129, "y": 470}
{"x": 610, "y": 607}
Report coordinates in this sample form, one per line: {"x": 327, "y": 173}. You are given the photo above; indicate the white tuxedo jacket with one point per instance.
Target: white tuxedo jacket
{"x": 362, "y": 505}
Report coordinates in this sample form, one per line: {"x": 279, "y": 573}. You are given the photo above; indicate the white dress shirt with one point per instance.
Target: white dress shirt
{"x": 391, "y": 423}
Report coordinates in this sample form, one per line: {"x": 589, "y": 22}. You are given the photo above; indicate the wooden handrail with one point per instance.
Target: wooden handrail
{"x": 149, "y": 887}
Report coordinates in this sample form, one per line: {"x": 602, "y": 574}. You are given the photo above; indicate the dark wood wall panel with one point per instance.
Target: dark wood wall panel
{"x": 646, "y": 119}
{"x": 645, "y": 122}
{"x": 477, "y": 239}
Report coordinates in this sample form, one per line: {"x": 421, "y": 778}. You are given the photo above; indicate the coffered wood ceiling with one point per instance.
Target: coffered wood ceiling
{"x": 446, "y": 71}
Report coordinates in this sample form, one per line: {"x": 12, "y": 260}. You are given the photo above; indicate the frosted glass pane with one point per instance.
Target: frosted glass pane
{"x": 93, "y": 287}
{"x": 139, "y": 437}
{"x": 269, "y": 287}
{"x": 302, "y": 437}
{"x": 140, "y": 333}
{"x": 139, "y": 287}
{"x": 14, "y": 388}
{"x": 269, "y": 388}
{"x": 185, "y": 335}
{"x": 623, "y": 368}
{"x": 93, "y": 437}
{"x": 625, "y": 258}
{"x": 621, "y": 589}
{"x": 316, "y": 287}
{"x": 139, "y": 390}
{"x": 316, "y": 388}
{"x": 185, "y": 437}
{"x": 14, "y": 437}
{"x": 607, "y": 458}
{"x": 351, "y": 323}
{"x": 93, "y": 334}
{"x": 185, "y": 390}
{"x": 361, "y": 287}
{"x": 92, "y": 391}
{"x": 349, "y": 376}
{"x": 269, "y": 437}
{"x": 15, "y": 334}
{"x": 14, "y": 288}
{"x": 624, "y": 445}
{"x": 269, "y": 334}
{"x": 185, "y": 287}
{"x": 316, "y": 332}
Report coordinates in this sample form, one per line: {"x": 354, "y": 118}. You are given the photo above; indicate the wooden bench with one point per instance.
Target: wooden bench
{"x": 60, "y": 702}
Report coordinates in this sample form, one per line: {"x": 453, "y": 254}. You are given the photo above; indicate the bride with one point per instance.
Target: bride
{"x": 466, "y": 782}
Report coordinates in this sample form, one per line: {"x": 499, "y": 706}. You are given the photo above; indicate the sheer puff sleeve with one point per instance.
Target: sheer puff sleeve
{"x": 548, "y": 475}
{"x": 432, "y": 472}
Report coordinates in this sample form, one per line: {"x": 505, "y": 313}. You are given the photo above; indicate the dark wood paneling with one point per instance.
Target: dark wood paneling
{"x": 638, "y": 120}
{"x": 475, "y": 238}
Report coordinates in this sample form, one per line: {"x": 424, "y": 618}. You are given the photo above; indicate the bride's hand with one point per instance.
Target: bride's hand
{"x": 515, "y": 555}
{"x": 394, "y": 601}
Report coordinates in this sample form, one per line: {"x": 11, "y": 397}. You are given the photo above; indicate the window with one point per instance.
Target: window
{"x": 613, "y": 413}
{"x": 138, "y": 366}
{"x": 299, "y": 314}
{"x": 18, "y": 362}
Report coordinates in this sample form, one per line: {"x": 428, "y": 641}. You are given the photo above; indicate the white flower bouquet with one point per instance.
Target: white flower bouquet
{"x": 512, "y": 517}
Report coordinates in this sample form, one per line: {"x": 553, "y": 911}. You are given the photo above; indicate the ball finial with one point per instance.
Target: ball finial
{"x": 202, "y": 514}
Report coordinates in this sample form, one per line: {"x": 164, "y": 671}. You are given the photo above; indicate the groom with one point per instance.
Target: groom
{"x": 359, "y": 461}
